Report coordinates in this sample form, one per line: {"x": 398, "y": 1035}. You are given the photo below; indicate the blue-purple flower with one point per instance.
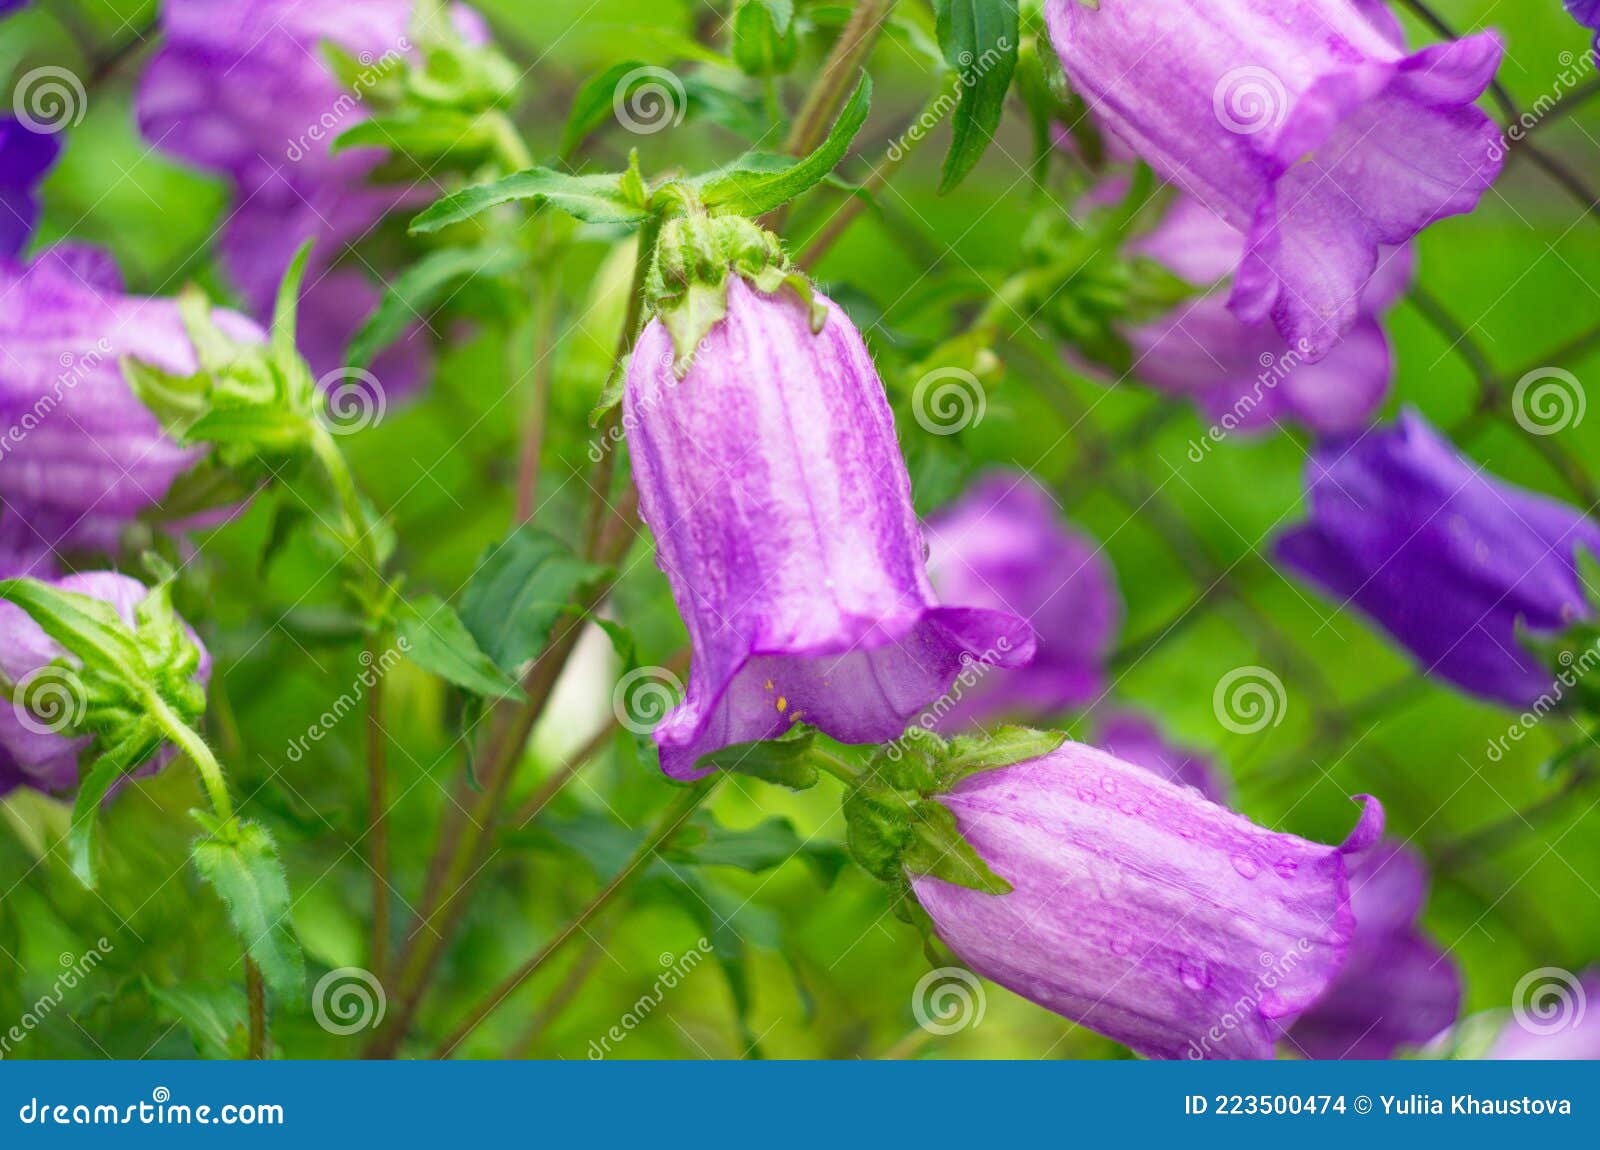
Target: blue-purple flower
{"x": 1246, "y": 376}
{"x": 37, "y": 746}
{"x": 1397, "y": 989}
{"x": 1447, "y": 559}
{"x": 25, "y": 158}
{"x": 773, "y": 482}
{"x": 80, "y": 456}
{"x": 1142, "y": 910}
{"x": 1303, "y": 124}
{"x": 1585, "y": 12}
{"x": 1004, "y": 546}
{"x": 1137, "y": 739}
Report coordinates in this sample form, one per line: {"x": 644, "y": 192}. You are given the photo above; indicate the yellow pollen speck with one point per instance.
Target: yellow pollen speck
{"x": 783, "y": 704}
{"x": 768, "y": 684}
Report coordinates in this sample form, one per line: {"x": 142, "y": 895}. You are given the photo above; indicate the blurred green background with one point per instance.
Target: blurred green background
{"x": 810, "y": 968}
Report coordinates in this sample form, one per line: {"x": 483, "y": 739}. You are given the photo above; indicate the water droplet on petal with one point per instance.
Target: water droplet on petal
{"x": 1246, "y": 867}
{"x": 1194, "y": 974}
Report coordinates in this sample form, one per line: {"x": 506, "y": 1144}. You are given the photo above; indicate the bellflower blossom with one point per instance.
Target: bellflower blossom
{"x": 35, "y": 751}
{"x": 1447, "y": 559}
{"x": 773, "y": 482}
{"x": 81, "y": 456}
{"x": 1304, "y": 125}
{"x": 242, "y": 89}
{"x": 1140, "y": 909}
{"x": 25, "y": 158}
{"x": 1246, "y": 375}
{"x": 1398, "y": 988}
{"x": 1003, "y": 546}
{"x": 1585, "y": 12}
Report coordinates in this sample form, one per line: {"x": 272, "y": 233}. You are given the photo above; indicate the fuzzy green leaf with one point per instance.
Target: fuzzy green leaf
{"x": 241, "y": 863}
{"x": 594, "y": 199}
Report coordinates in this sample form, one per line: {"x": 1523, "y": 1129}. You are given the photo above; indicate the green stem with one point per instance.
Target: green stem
{"x": 838, "y": 77}
{"x": 256, "y": 996}
{"x": 846, "y": 773}
{"x": 673, "y": 818}
{"x": 351, "y": 510}
{"x": 187, "y": 740}
{"x": 378, "y": 811}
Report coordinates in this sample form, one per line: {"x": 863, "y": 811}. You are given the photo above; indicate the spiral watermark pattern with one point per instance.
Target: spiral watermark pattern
{"x": 50, "y": 700}
{"x": 948, "y": 999}
{"x": 1250, "y": 100}
{"x": 649, "y": 100}
{"x": 1249, "y": 699}
{"x": 949, "y": 400}
{"x": 1549, "y": 1000}
{"x": 49, "y": 99}
{"x": 643, "y": 696}
{"x": 355, "y": 400}
{"x": 348, "y": 999}
{"x": 1549, "y": 400}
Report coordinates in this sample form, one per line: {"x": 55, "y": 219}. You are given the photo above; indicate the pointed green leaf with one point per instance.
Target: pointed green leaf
{"x": 786, "y": 761}
{"x": 522, "y": 587}
{"x": 425, "y": 134}
{"x": 283, "y": 313}
{"x": 131, "y": 750}
{"x": 980, "y": 39}
{"x": 752, "y": 186}
{"x": 595, "y": 104}
{"x": 241, "y": 863}
{"x": 88, "y": 628}
{"x": 594, "y": 199}
{"x": 437, "y": 641}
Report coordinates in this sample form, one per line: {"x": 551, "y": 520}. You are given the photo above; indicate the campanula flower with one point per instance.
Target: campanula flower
{"x": 1447, "y": 559}
{"x": 25, "y": 157}
{"x": 1137, "y": 739}
{"x": 1304, "y": 125}
{"x": 1397, "y": 988}
{"x": 773, "y": 482}
{"x": 37, "y": 746}
{"x": 1004, "y": 546}
{"x": 1140, "y": 909}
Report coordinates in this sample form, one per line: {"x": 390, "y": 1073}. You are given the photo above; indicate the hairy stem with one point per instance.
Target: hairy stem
{"x": 377, "y": 814}
{"x": 256, "y": 997}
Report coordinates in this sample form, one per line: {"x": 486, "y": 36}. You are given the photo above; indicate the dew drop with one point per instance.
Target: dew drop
{"x": 1194, "y": 974}
{"x": 1245, "y": 866}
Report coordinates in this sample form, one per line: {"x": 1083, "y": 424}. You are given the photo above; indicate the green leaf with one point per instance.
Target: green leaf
{"x": 786, "y": 761}
{"x": 769, "y": 844}
{"x": 521, "y": 588}
{"x": 129, "y": 752}
{"x": 240, "y": 862}
{"x": 763, "y": 37}
{"x": 594, "y": 105}
{"x": 980, "y": 40}
{"x": 425, "y": 134}
{"x": 437, "y": 641}
{"x": 753, "y": 185}
{"x": 259, "y": 426}
{"x": 1004, "y": 747}
{"x": 594, "y": 199}
{"x": 418, "y": 289}
{"x": 88, "y": 628}
{"x": 216, "y": 1017}
{"x": 284, "y": 351}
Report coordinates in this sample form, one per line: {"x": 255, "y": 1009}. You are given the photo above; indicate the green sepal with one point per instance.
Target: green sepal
{"x": 786, "y": 762}
{"x": 87, "y": 628}
{"x": 1003, "y": 747}
{"x": 127, "y": 751}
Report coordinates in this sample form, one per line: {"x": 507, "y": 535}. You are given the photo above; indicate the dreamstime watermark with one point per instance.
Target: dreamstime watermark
{"x": 1573, "y": 669}
{"x": 1275, "y": 369}
{"x": 373, "y": 70}
{"x": 1549, "y": 400}
{"x": 49, "y": 700}
{"x": 347, "y": 1000}
{"x": 677, "y": 968}
{"x": 643, "y": 696}
{"x": 48, "y": 100}
{"x": 160, "y": 1110}
{"x": 1549, "y": 1001}
{"x": 355, "y": 400}
{"x": 75, "y": 969}
{"x": 974, "y": 669}
{"x": 949, "y": 400}
{"x": 648, "y": 100}
{"x": 1250, "y": 100}
{"x": 1249, "y": 699}
{"x": 1573, "y": 70}
{"x": 74, "y": 370}
{"x": 948, "y": 1000}
{"x": 1275, "y": 971}
{"x": 972, "y": 70}
{"x": 372, "y": 669}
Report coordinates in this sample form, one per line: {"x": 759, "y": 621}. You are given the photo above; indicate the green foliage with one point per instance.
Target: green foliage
{"x": 522, "y": 587}
{"x": 980, "y": 39}
{"x": 239, "y": 861}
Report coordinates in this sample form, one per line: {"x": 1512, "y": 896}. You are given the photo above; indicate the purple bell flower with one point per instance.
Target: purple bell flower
{"x": 1136, "y": 739}
{"x": 80, "y": 456}
{"x": 1303, "y": 124}
{"x": 1445, "y": 558}
{"x": 772, "y": 479}
{"x": 1143, "y": 911}
{"x": 8, "y": 6}
{"x": 1397, "y": 988}
{"x": 1246, "y": 376}
{"x": 1585, "y": 12}
{"x": 25, "y": 157}
{"x": 1003, "y": 546}
{"x": 35, "y": 748}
